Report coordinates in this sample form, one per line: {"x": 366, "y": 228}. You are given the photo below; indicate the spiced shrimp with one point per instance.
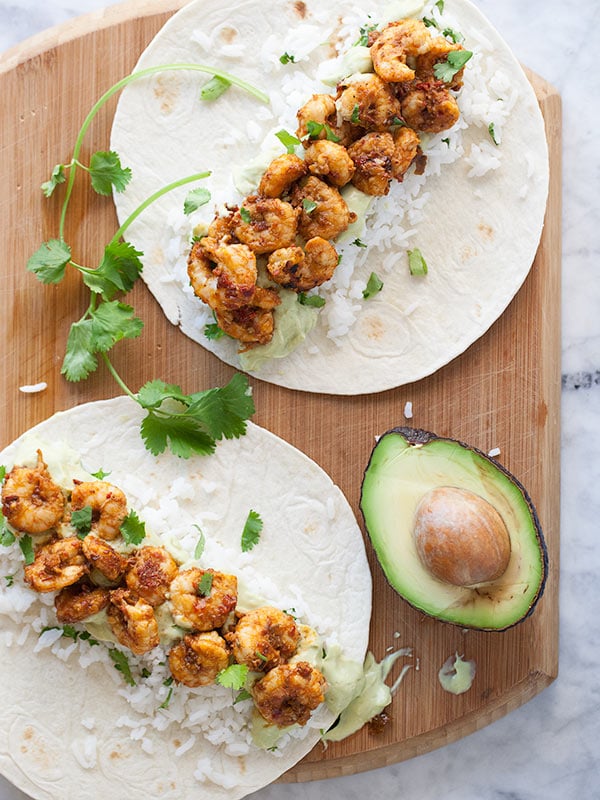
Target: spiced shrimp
{"x": 31, "y": 501}
{"x": 80, "y": 601}
{"x": 323, "y": 210}
{"x": 320, "y": 109}
{"x": 202, "y": 599}
{"x": 288, "y": 694}
{"x": 396, "y": 48}
{"x": 430, "y": 107}
{"x": 132, "y": 621}
{"x": 369, "y": 103}
{"x": 57, "y": 564}
{"x": 104, "y": 558}
{"x": 265, "y": 223}
{"x": 108, "y": 504}
{"x": 303, "y": 269}
{"x": 198, "y": 658}
{"x": 264, "y": 638}
{"x": 281, "y": 174}
{"x": 329, "y": 161}
{"x": 373, "y": 157}
{"x": 151, "y": 570}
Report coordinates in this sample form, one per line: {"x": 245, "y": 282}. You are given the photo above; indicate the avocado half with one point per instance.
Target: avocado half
{"x": 408, "y": 466}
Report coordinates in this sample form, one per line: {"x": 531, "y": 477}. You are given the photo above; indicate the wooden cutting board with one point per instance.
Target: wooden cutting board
{"x": 503, "y": 392}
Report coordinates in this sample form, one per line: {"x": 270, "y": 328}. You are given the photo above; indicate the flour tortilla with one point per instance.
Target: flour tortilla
{"x": 310, "y": 541}
{"x": 479, "y": 235}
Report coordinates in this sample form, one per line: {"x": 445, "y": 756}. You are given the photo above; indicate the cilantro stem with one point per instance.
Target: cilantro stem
{"x": 247, "y": 87}
{"x": 164, "y": 190}
{"x": 118, "y": 378}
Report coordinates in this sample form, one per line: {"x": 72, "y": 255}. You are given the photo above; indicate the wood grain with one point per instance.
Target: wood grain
{"x": 504, "y": 391}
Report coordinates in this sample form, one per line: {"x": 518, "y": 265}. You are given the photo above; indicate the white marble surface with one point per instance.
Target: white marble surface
{"x": 549, "y": 748}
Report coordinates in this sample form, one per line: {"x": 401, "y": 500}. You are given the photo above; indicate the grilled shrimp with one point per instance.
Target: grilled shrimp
{"x": 288, "y": 694}
{"x": 373, "y": 157}
{"x": 80, "y": 601}
{"x": 150, "y": 574}
{"x": 320, "y": 109}
{"x": 198, "y": 658}
{"x": 265, "y": 223}
{"x": 203, "y": 607}
{"x": 56, "y": 565}
{"x": 108, "y": 504}
{"x": 250, "y": 324}
{"x": 132, "y": 621}
{"x": 406, "y": 148}
{"x": 280, "y": 174}
{"x": 303, "y": 269}
{"x": 104, "y": 558}
{"x": 323, "y": 210}
{"x": 31, "y": 501}
{"x": 398, "y": 45}
{"x": 330, "y": 161}
{"x": 264, "y": 638}
{"x": 430, "y": 107}
{"x": 369, "y": 103}
{"x": 228, "y": 284}
{"x": 437, "y": 51}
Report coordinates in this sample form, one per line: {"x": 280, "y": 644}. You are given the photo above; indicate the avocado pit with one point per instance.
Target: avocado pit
{"x": 460, "y": 537}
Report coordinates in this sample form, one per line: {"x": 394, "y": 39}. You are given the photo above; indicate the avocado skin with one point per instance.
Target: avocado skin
{"x": 418, "y": 436}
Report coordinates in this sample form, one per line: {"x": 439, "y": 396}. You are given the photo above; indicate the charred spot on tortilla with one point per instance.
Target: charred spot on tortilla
{"x": 167, "y": 92}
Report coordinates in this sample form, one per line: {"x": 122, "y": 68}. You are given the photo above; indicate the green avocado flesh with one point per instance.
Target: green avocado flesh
{"x": 405, "y": 465}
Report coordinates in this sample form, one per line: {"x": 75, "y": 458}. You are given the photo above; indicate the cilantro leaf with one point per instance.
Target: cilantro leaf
{"x": 106, "y": 172}
{"x": 430, "y": 22}
{"x": 364, "y": 31}
{"x": 195, "y": 199}
{"x": 416, "y": 263}
{"x": 440, "y": 6}
{"x": 10, "y": 579}
{"x": 133, "y": 530}
{"x": 49, "y": 261}
{"x": 374, "y": 286}
{"x": 358, "y": 243}
{"x": 26, "y": 545}
{"x": 7, "y": 537}
{"x": 79, "y": 360}
{"x": 314, "y": 129}
{"x": 244, "y": 694}
{"x": 100, "y": 474}
{"x": 199, "y": 549}
{"x": 214, "y": 88}
{"x": 308, "y": 205}
{"x": 118, "y": 271}
{"x": 455, "y": 61}
{"x": 311, "y": 300}
{"x": 455, "y": 36}
{"x": 119, "y": 659}
{"x": 224, "y": 411}
{"x": 57, "y": 177}
{"x": 111, "y": 322}
{"x": 81, "y": 520}
{"x": 213, "y": 332}
{"x": 286, "y": 58}
{"x": 245, "y": 215}
{"x": 167, "y": 700}
{"x": 154, "y": 393}
{"x": 251, "y": 533}
{"x": 2, "y": 472}
{"x": 289, "y": 141}
{"x": 233, "y": 676}
{"x": 182, "y": 434}
{"x": 492, "y": 133}
{"x": 205, "y": 583}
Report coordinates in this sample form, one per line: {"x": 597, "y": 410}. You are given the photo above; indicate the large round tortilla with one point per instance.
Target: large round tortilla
{"x": 480, "y": 235}
{"x": 310, "y": 540}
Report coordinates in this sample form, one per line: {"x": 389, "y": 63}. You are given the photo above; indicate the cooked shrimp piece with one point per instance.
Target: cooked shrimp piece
{"x": 330, "y": 161}
{"x": 303, "y": 269}
{"x": 398, "y": 43}
{"x": 80, "y": 601}
{"x": 250, "y": 325}
{"x": 437, "y": 51}
{"x": 372, "y": 155}
{"x": 104, "y": 558}
{"x": 406, "y": 149}
{"x": 31, "y": 501}
{"x": 265, "y": 223}
{"x": 202, "y": 603}
{"x": 323, "y": 210}
{"x": 150, "y": 574}
{"x": 108, "y": 504}
{"x": 132, "y": 621}
{"x": 56, "y": 565}
{"x": 288, "y": 694}
{"x": 320, "y": 109}
{"x": 430, "y": 108}
{"x": 264, "y": 638}
{"x": 198, "y": 658}
{"x": 369, "y": 103}
{"x": 280, "y": 174}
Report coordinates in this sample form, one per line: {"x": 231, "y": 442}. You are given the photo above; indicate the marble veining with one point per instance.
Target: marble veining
{"x": 550, "y": 747}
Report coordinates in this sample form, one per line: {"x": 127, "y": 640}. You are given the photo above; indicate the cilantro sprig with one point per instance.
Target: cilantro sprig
{"x": 186, "y": 423}
{"x": 455, "y": 61}
{"x": 251, "y": 532}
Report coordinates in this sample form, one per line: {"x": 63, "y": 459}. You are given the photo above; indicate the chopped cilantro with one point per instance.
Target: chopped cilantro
{"x": 398, "y": 123}
{"x": 314, "y": 130}
{"x": 199, "y": 549}
{"x": 7, "y": 537}
{"x": 355, "y": 118}
{"x": 243, "y": 695}
{"x": 251, "y": 533}
{"x": 121, "y": 663}
{"x": 358, "y": 243}
{"x": 101, "y": 474}
{"x": 2, "y": 473}
{"x": 260, "y": 655}
{"x": 214, "y": 88}
{"x": 167, "y": 700}
{"x": 440, "y": 6}
{"x": 81, "y": 520}
{"x": 9, "y": 580}
{"x": 446, "y": 141}
{"x": 455, "y": 61}
{"x": 492, "y": 134}
{"x": 195, "y": 200}
{"x": 245, "y": 215}
{"x": 455, "y": 36}
{"x": 145, "y": 673}
{"x": 311, "y": 300}
{"x": 288, "y": 140}
{"x": 233, "y": 676}
{"x": 205, "y": 583}
{"x": 364, "y": 31}
{"x": 429, "y": 22}
{"x": 416, "y": 263}
{"x": 213, "y": 332}
{"x": 374, "y": 286}
{"x": 133, "y": 529}
{"x": 286, "y": 58}
{"x": 26, "y": 545}
{"x": 308, "y": 205}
